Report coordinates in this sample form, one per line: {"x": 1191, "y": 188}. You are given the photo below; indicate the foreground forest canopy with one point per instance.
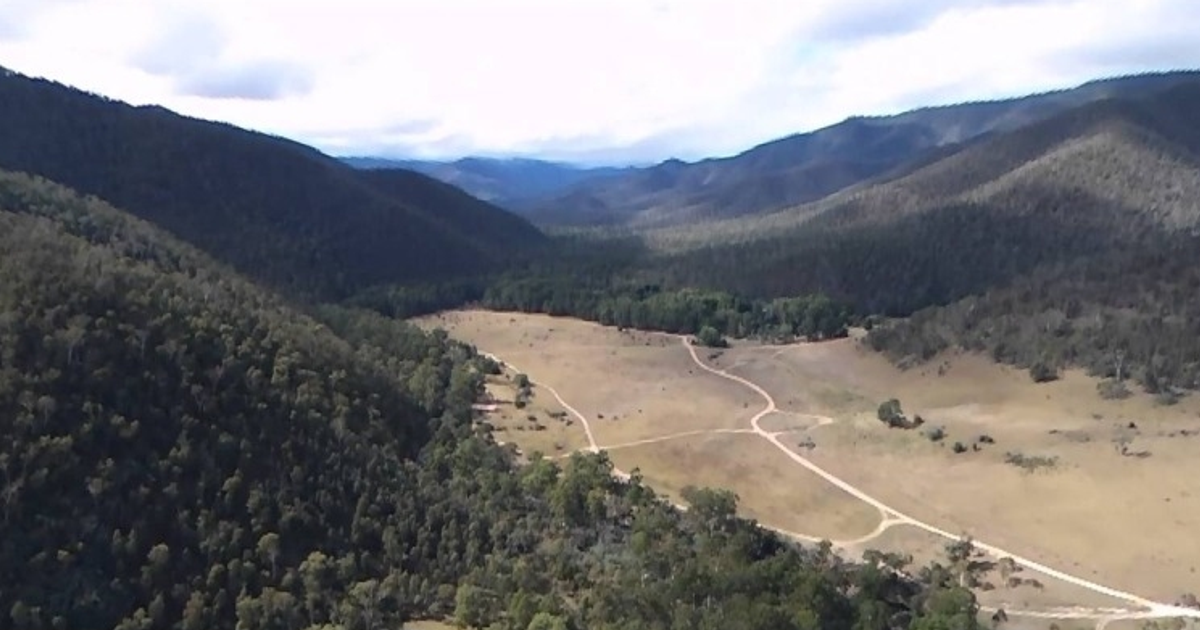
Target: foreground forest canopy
{"x": 188, "y": 451}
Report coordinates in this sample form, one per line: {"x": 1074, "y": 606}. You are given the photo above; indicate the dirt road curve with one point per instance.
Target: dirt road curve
{"x": 891, "y": 517}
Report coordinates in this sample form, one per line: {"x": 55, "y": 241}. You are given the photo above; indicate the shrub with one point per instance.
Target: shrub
{"x": 1167, "y": 397}
{"x": 1042, "y": 372}
{"x": 711, "y": 337}
{"x": 1111, "y": 389}
{"x": 936, "y": 434}
{"x": 1030, "y": 463}
{"x": 891, "y": 414}
{"x": 959, "y": 447}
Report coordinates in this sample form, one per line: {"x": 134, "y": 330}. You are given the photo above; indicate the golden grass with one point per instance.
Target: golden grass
{"x": 770, "y": 487}
{"x": 429, "y": 625}
{"x": 925, "y": 548}
{"x": 542, "y": 426}
{"x": 1126, "y": 522}
{"x": 1142, "y": 624}
{"x": 788, "y": 422}
{"x": 1118, "y": 520}
{"x": 631, "y": 386}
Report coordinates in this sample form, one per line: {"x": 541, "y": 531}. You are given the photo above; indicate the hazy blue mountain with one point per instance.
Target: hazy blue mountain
{"x": 511, "y": 182}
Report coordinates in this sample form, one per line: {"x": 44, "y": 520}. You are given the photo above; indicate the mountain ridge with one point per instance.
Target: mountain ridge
{"x": 508, "y": 182}
{"x": 275, "y": 209}
{"x": 857, "y": 150}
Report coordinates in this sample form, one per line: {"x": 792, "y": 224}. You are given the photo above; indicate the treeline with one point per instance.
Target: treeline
{"x": 406, "y": 301}
{"x": 185, "y": 451}
{"x": 1127, "y": 313}
{"x": 681, "y": 311}
{"x": 901, "y": 266}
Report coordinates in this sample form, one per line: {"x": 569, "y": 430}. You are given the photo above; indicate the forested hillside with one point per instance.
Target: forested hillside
{"x": 184, "y": 450}
{"x": 1108, "y": 174}
{"x": 276, "y": 210}
{"x": 1076, "y": 234}
{"x": 809, "y": 166}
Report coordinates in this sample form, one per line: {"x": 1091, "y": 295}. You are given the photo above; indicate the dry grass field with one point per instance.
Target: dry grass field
{"x": 1126, "y": 521}
{"x": 542, "y": 426}
{"x": 632, "y": 385}
{"x": 429, "y": 625}
{"x": 770, "y": 488}
{"x": 1048, "y": 593}
{"x": 1123, "y": 520}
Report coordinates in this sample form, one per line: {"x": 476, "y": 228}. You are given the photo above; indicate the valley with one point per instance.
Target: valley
{"x": 954, "y": 353}
{"x": 1086, "y": 514}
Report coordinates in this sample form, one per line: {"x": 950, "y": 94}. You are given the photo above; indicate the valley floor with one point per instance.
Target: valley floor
{"x": 792, "y": 430}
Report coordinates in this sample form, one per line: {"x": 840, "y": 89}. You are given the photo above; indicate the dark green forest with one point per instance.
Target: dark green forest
{"x": 277, "y": 211}
{"x": 187, "y": 451}
{"x": 681, "y": 311}
{"x": 1132, "y": 313}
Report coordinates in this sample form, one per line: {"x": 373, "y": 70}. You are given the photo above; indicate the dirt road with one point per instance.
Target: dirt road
{"x": 1142, "y": 608}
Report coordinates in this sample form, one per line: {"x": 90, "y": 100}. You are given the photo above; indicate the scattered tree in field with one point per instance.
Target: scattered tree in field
{"x": 964, "y": 561}
{"x": 891, "y": 414}
{"x": 524, "y": 390}
{"x": 1007, "y": 568}
{"x": 1113, "y": 389}
{"x": 1043, "y": 372}
{"x": 711, "y": 337}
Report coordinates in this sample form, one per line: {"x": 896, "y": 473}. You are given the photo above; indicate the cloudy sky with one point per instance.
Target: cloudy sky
{"x": 584, "y": 80}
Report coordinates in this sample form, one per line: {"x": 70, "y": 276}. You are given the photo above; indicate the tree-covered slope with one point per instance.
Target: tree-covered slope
{"x": 1069, "y": 242}
{"x": 276, "y": 210}
{"x": 806, "y": 167}
{"x": 1112, "y": 174}
{"x": 183, "y": 450}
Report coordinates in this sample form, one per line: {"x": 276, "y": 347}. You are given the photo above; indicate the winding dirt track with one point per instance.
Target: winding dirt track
{"x": 890, "y": 517}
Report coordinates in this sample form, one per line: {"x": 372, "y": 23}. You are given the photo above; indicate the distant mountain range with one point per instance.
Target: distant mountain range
{"x": 512, "y": 183}
{"x": 787, "y": 172}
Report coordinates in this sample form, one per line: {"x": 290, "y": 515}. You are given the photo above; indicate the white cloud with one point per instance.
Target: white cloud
{"x": 578, "y": 78}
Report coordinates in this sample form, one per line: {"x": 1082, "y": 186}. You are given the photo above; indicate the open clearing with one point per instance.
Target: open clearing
{"x": 1125, "y": 521}
{"x": 633, "y": 385}
{"x": 429, "y": 625}
{"x": 542, "y": 426}
{"x": 794, "y": 499}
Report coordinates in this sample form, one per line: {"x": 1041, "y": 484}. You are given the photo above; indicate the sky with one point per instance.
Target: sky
{"x": 589, "y": 81}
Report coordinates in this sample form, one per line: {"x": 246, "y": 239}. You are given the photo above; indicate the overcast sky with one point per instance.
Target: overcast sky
{"x": 585, "y": 80}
